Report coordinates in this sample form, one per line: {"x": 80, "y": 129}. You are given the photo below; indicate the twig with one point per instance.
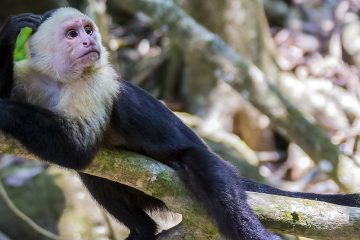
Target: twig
{"x": 25, "y": 218}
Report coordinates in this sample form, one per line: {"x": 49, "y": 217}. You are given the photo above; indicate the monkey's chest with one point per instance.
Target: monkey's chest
{"x": 43, "y": 95}
{"x": 46, "y": 97}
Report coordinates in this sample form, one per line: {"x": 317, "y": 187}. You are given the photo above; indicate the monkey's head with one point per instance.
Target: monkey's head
{"x": 67, "y": 45}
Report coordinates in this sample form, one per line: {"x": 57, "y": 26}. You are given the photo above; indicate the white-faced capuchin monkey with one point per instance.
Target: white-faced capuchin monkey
{"x": 61, "y": 101}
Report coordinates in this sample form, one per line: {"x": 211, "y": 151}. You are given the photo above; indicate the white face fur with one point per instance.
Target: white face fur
{"x": 68, "y": 72}
{"x": 66, "y": 46}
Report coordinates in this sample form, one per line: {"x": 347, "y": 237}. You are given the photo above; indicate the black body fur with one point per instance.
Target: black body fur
{"x": 147, "y": 127}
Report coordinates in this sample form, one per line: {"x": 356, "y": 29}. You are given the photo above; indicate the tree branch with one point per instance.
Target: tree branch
{"x": 281, "y": 214}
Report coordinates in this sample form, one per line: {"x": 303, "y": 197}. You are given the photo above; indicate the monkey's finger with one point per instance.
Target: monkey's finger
{"x": 33, "y": 26}
{"x": 24, "y": 20}
{"x": 31, "y": 18}
{"x": 24, "y": 23}
{"x": 24, "y": 15}
{"x": 31, "y": 21}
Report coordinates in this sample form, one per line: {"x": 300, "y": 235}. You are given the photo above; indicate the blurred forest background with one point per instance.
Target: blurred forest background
{"x": 292, "y": 122}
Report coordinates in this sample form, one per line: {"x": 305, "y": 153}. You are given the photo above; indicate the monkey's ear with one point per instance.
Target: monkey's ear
{"x": 47, "y": 14}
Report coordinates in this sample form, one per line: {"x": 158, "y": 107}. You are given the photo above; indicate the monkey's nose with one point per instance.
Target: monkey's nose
{"x": 87, "y": 42}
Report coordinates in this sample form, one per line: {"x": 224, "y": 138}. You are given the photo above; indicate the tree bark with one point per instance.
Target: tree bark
{"x": 240, "y": 24}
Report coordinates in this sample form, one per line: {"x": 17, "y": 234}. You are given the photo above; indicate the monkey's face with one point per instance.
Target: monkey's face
{"x": 80, "y": 46}
{"x": 67, "y": 45}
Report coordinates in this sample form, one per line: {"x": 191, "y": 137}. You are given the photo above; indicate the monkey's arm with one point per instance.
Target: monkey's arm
{"x": 45, "y": 133}
{"x": 8, "y": 34}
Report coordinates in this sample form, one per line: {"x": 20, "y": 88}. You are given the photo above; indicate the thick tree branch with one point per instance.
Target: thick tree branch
{"x": 246, "y": 78}
{"x": 281, "y": 214}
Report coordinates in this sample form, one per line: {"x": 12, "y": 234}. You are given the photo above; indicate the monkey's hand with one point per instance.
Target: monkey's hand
{"x": 15, "y": 23}
{"x": 8, "y": 35}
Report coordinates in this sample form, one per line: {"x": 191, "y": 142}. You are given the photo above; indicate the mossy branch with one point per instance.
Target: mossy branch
{"x": 281, "y": 214}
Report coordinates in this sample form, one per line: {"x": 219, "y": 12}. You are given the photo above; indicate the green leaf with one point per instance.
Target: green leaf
{"x": 21, "y": 50}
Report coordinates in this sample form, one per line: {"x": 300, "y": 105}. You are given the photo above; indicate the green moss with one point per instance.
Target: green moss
{"x": 164, "y": 185}
{"x": 164, "y": 176}
{"x": 205, "y": 228}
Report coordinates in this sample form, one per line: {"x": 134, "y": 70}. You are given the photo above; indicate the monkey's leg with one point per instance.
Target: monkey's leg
{"x": 126, "y": 204}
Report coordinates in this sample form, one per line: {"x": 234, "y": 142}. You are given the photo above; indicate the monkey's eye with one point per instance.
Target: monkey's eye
{"x": 71, "y": 34}
{"x": 88, "y": 30}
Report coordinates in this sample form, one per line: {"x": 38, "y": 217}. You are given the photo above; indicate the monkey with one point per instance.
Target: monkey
{"x": 62, "y": 102}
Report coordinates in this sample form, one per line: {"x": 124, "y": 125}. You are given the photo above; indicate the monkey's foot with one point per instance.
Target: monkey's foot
{"x": 165, "y": 219}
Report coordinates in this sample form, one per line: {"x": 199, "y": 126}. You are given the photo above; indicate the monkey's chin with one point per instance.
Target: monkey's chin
{"x": 88, "y": 59}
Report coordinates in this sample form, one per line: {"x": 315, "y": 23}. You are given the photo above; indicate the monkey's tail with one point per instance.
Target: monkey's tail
{"x": 214, "y": 183}
{"x": 351, "y": 200}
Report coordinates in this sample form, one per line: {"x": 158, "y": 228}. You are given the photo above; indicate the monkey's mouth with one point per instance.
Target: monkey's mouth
{"x": 91, "y": 54}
